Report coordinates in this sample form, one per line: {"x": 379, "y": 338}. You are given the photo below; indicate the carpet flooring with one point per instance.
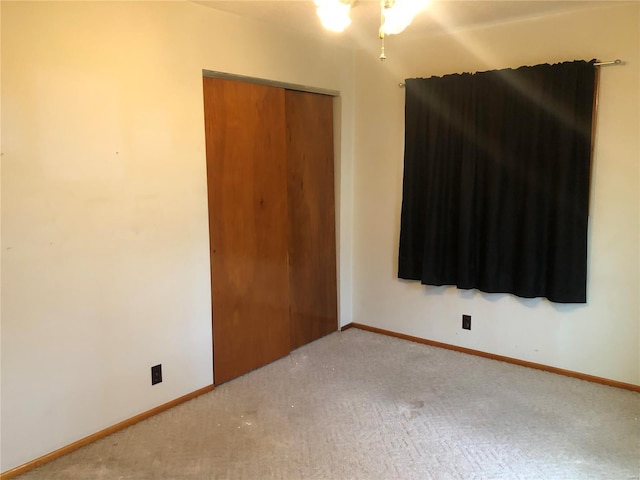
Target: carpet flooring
{"x": 358, "y": 405}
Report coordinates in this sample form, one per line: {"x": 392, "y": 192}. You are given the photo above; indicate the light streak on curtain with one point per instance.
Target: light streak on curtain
{"x": 496, "y": 180}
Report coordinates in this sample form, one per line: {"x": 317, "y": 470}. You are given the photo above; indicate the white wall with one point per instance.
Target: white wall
{"x": 600, "y": 338}
{"x": 105, "y": 263}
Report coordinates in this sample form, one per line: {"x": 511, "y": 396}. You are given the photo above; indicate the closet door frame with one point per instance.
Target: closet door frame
{"x": 336, "y": 121}
{"x": 271, "y": 83}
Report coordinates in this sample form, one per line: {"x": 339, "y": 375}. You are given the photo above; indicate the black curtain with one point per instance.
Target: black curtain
{"x": 496, "y": 180}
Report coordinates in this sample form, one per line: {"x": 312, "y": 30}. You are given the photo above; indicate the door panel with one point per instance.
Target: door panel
{"x": 247, "y": 186}
{"x": 312, "y": 237}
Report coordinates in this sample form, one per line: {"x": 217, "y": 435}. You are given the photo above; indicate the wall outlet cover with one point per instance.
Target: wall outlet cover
{"x": 156, "y": 374}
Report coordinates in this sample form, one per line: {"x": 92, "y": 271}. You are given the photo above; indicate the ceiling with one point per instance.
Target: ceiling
{"x": 440, "y": 16}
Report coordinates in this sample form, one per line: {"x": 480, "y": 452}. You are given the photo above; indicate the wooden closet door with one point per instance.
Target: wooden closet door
{"x": 312, "y": 235}
{"x": 247, "y": 188}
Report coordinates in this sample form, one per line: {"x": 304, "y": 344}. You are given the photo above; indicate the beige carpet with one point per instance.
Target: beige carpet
{"x": 357, "y": 405}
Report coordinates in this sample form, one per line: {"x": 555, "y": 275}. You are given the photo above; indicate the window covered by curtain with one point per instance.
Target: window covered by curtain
{"x": 496, "y": 180}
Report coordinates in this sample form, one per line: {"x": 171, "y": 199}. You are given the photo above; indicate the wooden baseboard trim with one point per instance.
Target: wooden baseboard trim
{"x": 101, "y": 434}
{"x": 346, "y": 327}
{"x": 515, "y": 361}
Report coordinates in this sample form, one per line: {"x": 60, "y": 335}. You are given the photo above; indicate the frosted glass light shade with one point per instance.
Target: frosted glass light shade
{"x": 400, "y": 14}
{"x": 334, "y": 14}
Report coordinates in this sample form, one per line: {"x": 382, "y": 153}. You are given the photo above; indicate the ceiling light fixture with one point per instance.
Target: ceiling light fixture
{"x": 334, "y": 14}
{"x": 395, "y": 15}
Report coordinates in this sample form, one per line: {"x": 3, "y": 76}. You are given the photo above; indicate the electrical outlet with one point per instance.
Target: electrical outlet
{"x": 156, "y": 374}
{"x": 466, "y": 322}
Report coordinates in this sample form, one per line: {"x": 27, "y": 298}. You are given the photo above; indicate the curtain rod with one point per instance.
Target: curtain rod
{"x": 617, "y": 61}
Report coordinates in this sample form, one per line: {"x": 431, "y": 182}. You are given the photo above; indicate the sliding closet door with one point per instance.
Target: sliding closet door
{"x": 247, "y": 186}
{"x": 312, "y": 236}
